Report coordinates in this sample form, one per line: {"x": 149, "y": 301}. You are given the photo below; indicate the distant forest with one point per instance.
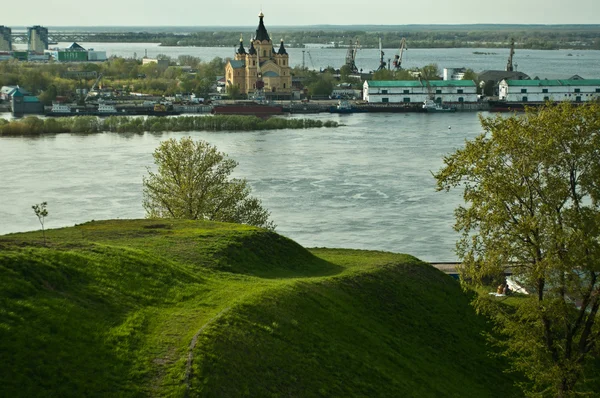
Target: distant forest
{"x": 548, "y": 37}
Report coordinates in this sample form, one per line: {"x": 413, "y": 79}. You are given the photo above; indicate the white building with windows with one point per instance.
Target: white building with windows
{"x": 406, "y": 91}
{"x": 583, "y": 90}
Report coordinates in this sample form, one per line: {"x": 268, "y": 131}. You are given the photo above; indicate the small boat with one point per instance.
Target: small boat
{"x": 433, "y": 107}
{"x": 343, "y": 107}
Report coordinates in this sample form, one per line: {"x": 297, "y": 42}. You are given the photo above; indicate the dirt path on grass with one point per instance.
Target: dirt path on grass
{"x": 190, "y": 358}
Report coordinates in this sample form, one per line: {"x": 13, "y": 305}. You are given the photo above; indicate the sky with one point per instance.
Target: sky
{"x": 296, "y": 12}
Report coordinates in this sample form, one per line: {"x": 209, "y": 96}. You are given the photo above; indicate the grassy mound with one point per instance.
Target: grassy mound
{"x": 176, "y": 308}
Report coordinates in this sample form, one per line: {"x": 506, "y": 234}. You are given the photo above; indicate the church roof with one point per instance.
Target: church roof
{"x": 241, "y": 49}
{"x": 261, "y": 31}
{"x": 236, "y": 64}
{"x": 270, "y": 74}
{"x": 252, "y": 50}
{"x": 282, "y": 50}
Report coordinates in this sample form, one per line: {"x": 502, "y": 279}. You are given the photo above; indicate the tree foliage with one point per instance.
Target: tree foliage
{"x": 41, "y": 213}
{"x": 193, "y": 182}
{"x": 531, "y": 186}
{"x": 470, "y": 75}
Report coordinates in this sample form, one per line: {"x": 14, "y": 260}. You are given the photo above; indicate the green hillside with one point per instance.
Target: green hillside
{"x": 182, "y": 308}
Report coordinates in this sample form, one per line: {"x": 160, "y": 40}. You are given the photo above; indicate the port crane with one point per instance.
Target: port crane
{"x": 309, "y": 57}
{"x": 382, "y": 63}
{"x": 259, "y": 93}
{"x": 509, "y": 64}
{"x": 398, "y": 57}
{"x": 93, "y": 87}
{"x": 351, "y": 56}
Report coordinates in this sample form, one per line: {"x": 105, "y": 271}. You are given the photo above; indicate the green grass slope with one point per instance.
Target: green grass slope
{"x": 180, "y": 308}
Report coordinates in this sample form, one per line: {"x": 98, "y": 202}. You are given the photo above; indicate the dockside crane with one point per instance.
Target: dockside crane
{"x": 398, "y": 57}
{"x": 509, "y": 64}
{"x": 259, "y": 93}
{"x": 382, "y": 63}
{"x": 311, "y": 60}
{"x": 93, "y": 87}
{"x": 351, "y": 56}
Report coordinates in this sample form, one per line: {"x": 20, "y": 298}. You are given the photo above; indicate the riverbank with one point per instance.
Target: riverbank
{"x": 32, "y": 125}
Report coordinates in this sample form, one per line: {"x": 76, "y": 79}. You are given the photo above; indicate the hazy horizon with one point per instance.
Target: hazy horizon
{"x": 113, "y": 13}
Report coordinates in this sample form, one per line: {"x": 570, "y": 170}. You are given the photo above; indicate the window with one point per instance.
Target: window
{"x": 524, "y": 99}
{"x": 384, "y": 91}
{"x": 461, "y": 99}
{"x": 438, "y": 91}
{"x": 577, "y": 90}
{"x": 545, "y": 90}
{"x": 546, "y": 98}
{"x": 577, "y": 99}
{"x": 598, "y": 90}
{"x": 283, "y": 85}
{"x": 407, "y": 99}
{"x": 523, "y": 90}
{"x": 385, "y": 100}
{"x": 460, "y": 91}
{"x": 406, "y": 92}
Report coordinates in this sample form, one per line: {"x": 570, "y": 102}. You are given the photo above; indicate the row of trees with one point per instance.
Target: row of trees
{"x": 49, "y": 81}
{"x": 539, "y": 37}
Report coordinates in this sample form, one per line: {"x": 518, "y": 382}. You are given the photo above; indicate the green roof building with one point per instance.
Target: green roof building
{"x": 410, "y": 91}
{"x": 575, "y": 90}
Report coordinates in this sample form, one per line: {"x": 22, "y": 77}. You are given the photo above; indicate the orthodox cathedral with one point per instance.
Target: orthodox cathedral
{"x": 261, "y": 67}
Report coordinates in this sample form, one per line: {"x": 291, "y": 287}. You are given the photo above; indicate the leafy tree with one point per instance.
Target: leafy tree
{"x": 470, "y": 75}
{"x": 49, "y": 95}
{"x": 345, "y": 72}
{"x": 322, "y": 86}
{"x": 430, "y": 72}
{"x": 193, "y": 182}
{"x": 386, "y": 74}
{"x": 233, "y": 91}
{"x": 189, "y": 60}
{"x": 41, "y": 212}
{"x": 532, "y": 191}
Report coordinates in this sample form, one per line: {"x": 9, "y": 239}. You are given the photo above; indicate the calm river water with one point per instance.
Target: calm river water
{"x": 366, "y": 185}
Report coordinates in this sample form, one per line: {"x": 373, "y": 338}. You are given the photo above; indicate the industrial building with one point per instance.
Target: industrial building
{"x": 261, "y": 70}
{"x": 410, "y": 91}
{"x": 575, "y": 90}
{"x": 37, "y": 39}
{"x": 24, "y": 104}
{"x": 5, "y": 38}
{"x": 76, "y": 53}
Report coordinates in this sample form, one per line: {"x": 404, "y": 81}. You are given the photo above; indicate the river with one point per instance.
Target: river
{"x": 366, "y": 185}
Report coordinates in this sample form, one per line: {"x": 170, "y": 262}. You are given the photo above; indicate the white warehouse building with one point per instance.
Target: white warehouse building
{"x": 549, "y": 90}
{"x": 407, "y": 91}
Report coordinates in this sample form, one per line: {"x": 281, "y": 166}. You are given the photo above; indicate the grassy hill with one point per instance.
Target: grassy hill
{"x": 181, "y": 308}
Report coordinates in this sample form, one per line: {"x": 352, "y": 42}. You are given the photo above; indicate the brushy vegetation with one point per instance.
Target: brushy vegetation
{"x": 191, "y": 308}
{"x": 32, "y": 125}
